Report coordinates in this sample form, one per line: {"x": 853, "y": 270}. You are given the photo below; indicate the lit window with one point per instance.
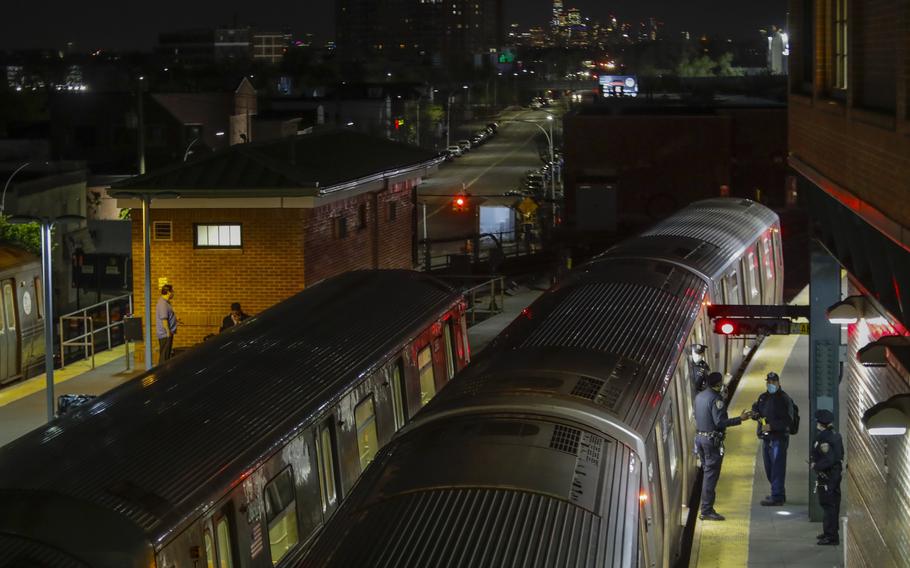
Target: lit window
{"x": 367, "y": 437}
{"x": 218, "y": 236}
{"x": 281, "y": 515}
{"x": 209, "y": 550}
{"x": 10, "y": 306}
{"x": 840, "y": 44}
{"x": 223, "y": 536}
{"x": 427, "y": 376}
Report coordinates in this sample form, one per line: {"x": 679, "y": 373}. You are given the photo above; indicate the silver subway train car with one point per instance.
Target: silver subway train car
{"x": 566, "y": 442}
{"x": 234, "y": 454}
{"x": 21, "y": 315}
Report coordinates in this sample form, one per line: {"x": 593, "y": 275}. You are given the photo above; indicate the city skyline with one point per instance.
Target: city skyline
{"x": 103, "y": 24}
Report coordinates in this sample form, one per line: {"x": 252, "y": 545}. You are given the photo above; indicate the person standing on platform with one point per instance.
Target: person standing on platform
{"x": 711, "y": 422}
{"x": 698, "y": 368}
{"x": 827, "y": 458}
{"x": 775, "y": 412}
{"x": 236, "y": 316}
{"x": 166, "y": 323}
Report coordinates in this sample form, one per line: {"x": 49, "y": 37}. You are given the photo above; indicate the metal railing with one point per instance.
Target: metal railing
{"x": 85, "y": 326}
{"x": 442, "y": 253}
{"x": 487, "y": 298}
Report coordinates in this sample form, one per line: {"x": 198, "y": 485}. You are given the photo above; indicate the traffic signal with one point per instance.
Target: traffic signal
{"x": 460, "y": 203}
{"x": 738, "y": 327}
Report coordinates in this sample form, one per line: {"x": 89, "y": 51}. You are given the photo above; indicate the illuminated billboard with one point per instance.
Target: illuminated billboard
{"x": 618, "y": 85}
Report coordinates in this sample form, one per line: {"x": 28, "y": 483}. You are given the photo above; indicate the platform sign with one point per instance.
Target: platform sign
{"x": 799, "y": 328}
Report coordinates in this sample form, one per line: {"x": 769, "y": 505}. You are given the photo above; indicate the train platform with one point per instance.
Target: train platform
{"x": 23, "y": 406}
{"x": 752, "y": 535}
{"x": 481, "y": 334}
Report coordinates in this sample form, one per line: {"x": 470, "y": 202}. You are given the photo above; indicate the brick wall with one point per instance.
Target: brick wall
{"x": 382, "y": 243}
{"x": 268, "y": 269}
{"x": 865, "y": 152}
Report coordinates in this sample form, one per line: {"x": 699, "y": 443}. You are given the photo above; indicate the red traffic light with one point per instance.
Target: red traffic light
{"x": 725, "y": 327}
{"x": 460, "y": 203}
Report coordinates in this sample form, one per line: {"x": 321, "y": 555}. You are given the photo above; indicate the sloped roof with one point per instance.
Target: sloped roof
{"x": 309, "y": 165}
{"x": 12, "y": 256}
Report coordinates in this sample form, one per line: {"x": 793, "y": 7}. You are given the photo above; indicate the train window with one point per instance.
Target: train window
{"x": 209, "y": 549}
{"x": 669, "y": 433}
{"x": 769, "y": 258}
{"x": 427, "y": 375}
{"x": 10, "y": 306}
{"x": 450, "y": 351}
{"x": 281, "y": 515}
{"x": 327, "y": 475}
{"x": 39, "y": 298}
{"x": 399, "y": 403}
{"x": 731, "y": 289}
{"x": 367, "y": 436}
{"x": 753, "y": 277}
{"x": 223, "y": 543}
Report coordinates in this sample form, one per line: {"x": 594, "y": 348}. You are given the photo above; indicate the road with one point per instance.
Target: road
{"x": 485, "y": 172}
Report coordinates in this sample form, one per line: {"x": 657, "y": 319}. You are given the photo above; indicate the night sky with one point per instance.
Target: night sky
{"x": 116, "y": 24}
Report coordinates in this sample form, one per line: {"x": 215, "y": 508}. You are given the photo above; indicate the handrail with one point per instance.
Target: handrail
{"x": 497, "y": 286}
{"x": 86, "y": 339}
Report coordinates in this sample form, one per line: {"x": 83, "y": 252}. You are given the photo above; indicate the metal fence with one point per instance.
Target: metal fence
{"x": 94, "y": 328}
{"x": 452, "y": 252}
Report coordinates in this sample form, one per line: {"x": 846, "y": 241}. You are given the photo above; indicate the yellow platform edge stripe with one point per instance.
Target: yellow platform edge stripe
{"x": 38, "y": 383}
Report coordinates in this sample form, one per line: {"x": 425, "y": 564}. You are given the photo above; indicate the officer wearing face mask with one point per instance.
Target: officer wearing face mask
{"x": 826, "y": 460}
{"x": 711, "y": 423}
{"x": 775, "y": 413}
{"x": 698, "y": 368}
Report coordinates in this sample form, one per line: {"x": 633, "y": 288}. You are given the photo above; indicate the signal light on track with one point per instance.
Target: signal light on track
{"x": 726, "y": 327}
{"x": 460, "y": 203}
{"x": 642, "y": 497}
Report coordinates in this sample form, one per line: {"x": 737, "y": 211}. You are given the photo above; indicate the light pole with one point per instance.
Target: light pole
{"x": 6, "y": 186}
{"x": 47, "y": 275}
{"x": 146, "y": 199}
{"x": 549, "y": 137}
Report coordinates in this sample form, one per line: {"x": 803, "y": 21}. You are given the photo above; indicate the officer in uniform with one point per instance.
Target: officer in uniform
{"x": 711, "y": 422}
{"x": 774, "y": 412}
{"x": 827, "y": 456}
{"x": 698, "y": 368}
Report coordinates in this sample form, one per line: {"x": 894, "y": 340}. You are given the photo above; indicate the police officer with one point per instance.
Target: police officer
{"x": 698, "y": 368}
{"x": 711, "y": 421}
{"x": 827, "y": 455}
{"x": 774, "y": 412}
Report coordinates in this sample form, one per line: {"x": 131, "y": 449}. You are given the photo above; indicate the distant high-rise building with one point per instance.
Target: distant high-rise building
{"x": 441, "y": 32}
{"x": 269, "y": 47}
{"x": 558, "y": 17}
{"x": 206, "y": 46}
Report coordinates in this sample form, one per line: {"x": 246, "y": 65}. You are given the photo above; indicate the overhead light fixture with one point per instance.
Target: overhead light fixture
{"x": 889, "y": 418}
{"x": 847, "y": 311}
{"x": 876, "y": 354}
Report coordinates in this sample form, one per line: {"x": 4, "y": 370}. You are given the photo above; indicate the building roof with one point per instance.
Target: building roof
{"x": 299, "y": 166}
{"x": 12, "y": 256}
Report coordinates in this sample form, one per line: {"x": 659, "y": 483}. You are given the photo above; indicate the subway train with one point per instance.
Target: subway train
{"x": 233, "y": 454}
{"x": 21, "y": 315}
{"x": 567, "y": 442}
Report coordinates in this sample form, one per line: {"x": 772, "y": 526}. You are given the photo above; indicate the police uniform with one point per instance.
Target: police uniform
{"x": 775, "y": 411}
{"x": 699, "y": 374}
{"x": 827, "y": 458}
{"x": 711, "y": 421}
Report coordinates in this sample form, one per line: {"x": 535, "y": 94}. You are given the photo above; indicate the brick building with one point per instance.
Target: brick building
{"x": 257, "y": 223}
{"x": 618, "y": 178}
{"x": 849, "y": 130}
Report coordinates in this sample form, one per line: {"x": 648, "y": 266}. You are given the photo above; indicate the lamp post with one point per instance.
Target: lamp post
{"x": 47, "y": 275}
{"x": 549, "y": 137}
{"x": 6, "y": 186}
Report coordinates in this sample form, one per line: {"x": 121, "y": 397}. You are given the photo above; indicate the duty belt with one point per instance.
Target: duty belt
{"x": 707, "y": 434}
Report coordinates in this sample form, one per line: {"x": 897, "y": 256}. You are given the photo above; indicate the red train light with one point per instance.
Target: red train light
{"x": 725, "y": 327}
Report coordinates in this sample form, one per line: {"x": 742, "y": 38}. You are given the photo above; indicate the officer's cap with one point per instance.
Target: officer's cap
{"x": 715, "y": 379}
{"x": 698, "y": 349}
{"x": 824, "y": 416}
{"x": 772, "y": 376}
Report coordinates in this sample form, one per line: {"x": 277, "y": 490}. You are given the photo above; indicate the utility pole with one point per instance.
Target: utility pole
{"x": 140, "y": 130}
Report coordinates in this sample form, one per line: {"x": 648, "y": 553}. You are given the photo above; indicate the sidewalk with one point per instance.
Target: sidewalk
{"x": 752, "y": 535}
{"x": 23, "y": 406}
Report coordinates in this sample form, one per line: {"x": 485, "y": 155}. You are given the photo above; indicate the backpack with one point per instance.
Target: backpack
{"x": 794, "y": 419}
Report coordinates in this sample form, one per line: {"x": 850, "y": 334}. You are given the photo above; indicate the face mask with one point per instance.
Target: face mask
{"x": 773, "y": 388}
{"x": 696, "y": 359}
{"x": 821, "y": 426}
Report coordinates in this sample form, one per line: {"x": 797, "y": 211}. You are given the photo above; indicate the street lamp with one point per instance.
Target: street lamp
{"x": 549, "y": 137}
{"x": 6, "y": 186}
{"x": 47, "y": 226}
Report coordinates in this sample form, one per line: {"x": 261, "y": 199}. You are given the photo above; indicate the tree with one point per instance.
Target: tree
{"x": 25, "y": 236}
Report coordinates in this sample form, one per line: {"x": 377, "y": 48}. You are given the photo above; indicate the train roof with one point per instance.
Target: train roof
{"x": 706, "y": 236}
{"x": 610, "y": 336}
{"x": 155, "y": 448}
{"x": 12, "y": 256}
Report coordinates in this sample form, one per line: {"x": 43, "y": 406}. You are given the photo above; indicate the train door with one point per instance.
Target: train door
{"x": 767, "y": 270}
{"x": 451, "y": 356}
{"x": 9, "y": 365}
{"x": 732, "y": 295}
{"x": 327, "y": 463}
{"x": 751, "y": 279}
{"x": 668, "y": 456}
